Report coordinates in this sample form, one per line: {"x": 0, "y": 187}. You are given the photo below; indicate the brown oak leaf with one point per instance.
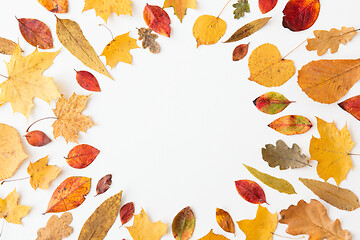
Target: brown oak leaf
{"x": 56, "y": 228}
{"x": 149, "y": 40}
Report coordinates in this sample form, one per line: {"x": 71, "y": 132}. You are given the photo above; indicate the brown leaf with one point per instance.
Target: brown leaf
{"x": 36, "y": 33}
{"x": 56, "y": 228}
{"x": 7, "y": 47}
{"x": 127, "y": 212}
{"x": 240, "y": 52}
{"x": 149, "y": 40}
{"x": 37, "y": 138}
{"x": 82, "y": 156}
{"x": 103, "y": 184}
{"x": 225, "y": 221}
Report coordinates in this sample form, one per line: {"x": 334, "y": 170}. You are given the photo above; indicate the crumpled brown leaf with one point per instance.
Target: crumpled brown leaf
{"x": 56, "y": 228}
{"x": 149, "y": 40}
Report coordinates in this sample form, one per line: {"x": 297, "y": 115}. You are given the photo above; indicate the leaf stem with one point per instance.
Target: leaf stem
{"x": 294, "y": 49}
{"x": 286, "y": 236}
{"x": 27, "y": 130}
{"x": 2, "y": 227}
{"x": 3, "y": 76}
{"x": 112, "y": 36}
{"x": 354, "y": 154}
{"x": 13, "y": 180}
{"x": 223, "y": 8}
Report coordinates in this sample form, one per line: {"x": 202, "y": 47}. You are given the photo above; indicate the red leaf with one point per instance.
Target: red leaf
{"x": 240, "y": 52}
{"x": 103, "y": 184}
{"x": 267, "y": 5}
{"x": 300, "y": 14}
{"x": 87, "y": 81}
{"x": 250, "y": 191}
{"x": 37, "y": 138}
{"x": 352, "y": 106}
{"x": 157, "y": 19}
{"x": 36, "y": 33}
{"x": 82, "y": 156}
{"x": 127, "y": 212}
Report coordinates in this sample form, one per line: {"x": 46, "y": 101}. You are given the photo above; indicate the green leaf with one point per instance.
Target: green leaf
{"x": 183, "y": 224}
{"x": 271, "y": 102}
{"x": 241, "y": 7}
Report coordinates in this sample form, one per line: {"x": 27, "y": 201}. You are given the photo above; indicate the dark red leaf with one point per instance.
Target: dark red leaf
{"x": 36, "y": 33}
{"x": 103, "y": 184}
{"x": 87, "y": 81}
{"x": 127, "y": 212}
{"x": 250, "y": 191}
{"x": 37, "y": 138}
{"x": 352, "y": 106}
{"x": 240, "y": 52}
{"x": 82, "y": 156}
{"x": 157, "y": 19}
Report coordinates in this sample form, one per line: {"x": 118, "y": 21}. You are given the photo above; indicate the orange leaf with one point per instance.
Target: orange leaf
{"x": 37, "y": 138}
{"x": 36, "y": 33}
{"x": 225, "y": 221}
{"x": 82, "y": 156}
{"x": 55, "y": 6}
{"x": 299, "y": 15}
{"x": 69, "y": 194}
{"x": 157, "y": 19}
{"x": 267, "y": 5}
{"x": 352, "y": 106}
{"x": 291, "y": 125}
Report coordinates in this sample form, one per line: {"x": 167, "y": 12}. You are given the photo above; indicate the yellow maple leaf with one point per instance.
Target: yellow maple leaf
{"x": 69, "y": 118}
{"x": 118, "y": 50}
{"x": 208, "y": 29}
{"x": 25, "y": 80}
{"x": 180, "y": 6}
{"x": 104, "y": 8}
{"x": 268, "y": 68}
{"x": 332, "y": 151}
{"x": 212, "y": 236}
{"x": 12, "y": 153}
{"x": 41, "y": 174}
{"x": 144, "y": 229}
{"x": 10, "y": 210}
{"x": 260, "y": 228}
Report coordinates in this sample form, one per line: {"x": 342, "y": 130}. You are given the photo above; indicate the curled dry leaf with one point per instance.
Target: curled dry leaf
{"x": 312, "y": 219}
{"x": 157, "y": 20}
{"x": 250, "y": 191}
{"x": 240, "y": 52}
{"x": 248, "y": 29}
{"x": 37, "y": 138}
{"x": 41, "y": 174}
{"x": 213, "y": 236}
{"x": 7, "y": 46}
{"x": 241, "y": 7}
{"x": 352, "y": 106}
{"x": 10, "y": 209}
{"x": 12, "y": 153}
{"x": 341, "y": 198}
{"x": 208, "y": 29}
{"x": 100, "y": 222}
{"x": 36, "y": 33}
{"x": 267, "y": 5}
{"x": 105, "y": 8}
{"x": 56, "y": 228}
{"x": 183, "y": 224}
{"x": 69, "y": 194}
{"x": 104, "y": 184}
{"x": 300, "y": 15}
{"x": 82, "y": 156}
{"x": 127, "y": 212}
{"x": 180, "y": 6}
{"x": 283, "y": 156}
{"x": 268, "y": 68}
{"x": 291, "y": 125}
{"x": 225, "y": 221}
{"x": 148, "y": 40}
{"x": 271, "y": 103}
{"x": 55, "y": 6}
{"x": 87, "y": 81}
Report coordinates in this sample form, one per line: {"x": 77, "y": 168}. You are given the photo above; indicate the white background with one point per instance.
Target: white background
{"x": 175, "y": 128}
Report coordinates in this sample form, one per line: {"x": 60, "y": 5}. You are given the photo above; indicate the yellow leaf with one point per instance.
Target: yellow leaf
{"x": 118, "y": 50}
{"x": 41, "y": 174}
{"x": 69, "y": 118}
{"x": 10, "y": 210}
{"x": 103, "y": 8}
{"x": 268, "y": 68}
{"x": 212, "y": 236}
{"x": 25, "y": 80}
{"x": 260, "y": 228}
{"x": 12, "y": 153}
{"x": 180, "y": 6}
{"x": 144, "y": 229}
{"x": 332, "y": 151}
{"x": 208, "y": 30}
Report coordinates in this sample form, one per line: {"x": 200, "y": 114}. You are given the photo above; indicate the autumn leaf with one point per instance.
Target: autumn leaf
{"x": 283, "y": 156}
{"x": 37, "y": 138}
{"x": 69, "y": 118}
{"x": 55, "y": 6}
{"x": 7, "y": 46}
{"x": 144, "y": 229}
{"x": 10, "y": 209}
{"x": 183, "y": 224}
{"x": 267, "y": 5}
{"x": 279, "y": 184}
{"x": 332, "y": 151}
{"x": 312, "y": 219}
{"x": 241, "y": 7}
{"x": 148, "y": 40}
{"x": 271, "y": 103}
{"x": 326, "y": 81}
{"x": 300, "y": 15}
{"x": 157, "y": 20}
{"x": 180, "y": 6}
{"x": 82, "y": 156}
{"x": 291, "y": 125}
{"x": 118, "y": 50}
{"x": 268, "y": 68}
{"x": 341, "y": 198}
{"x": 25, "y": 80}
{"x": 105, "y": 8}
{"x": 12, "y": 153}
{"x": 41, "y": 174}
{"x": 56, "y": 228}
{"x": 250, "y": 191}
{"x": 240, "y": 52}
{"x": 212, "y": 236}
{"x": 248, "y": 29}
{"x": 73, "y": 39}
{"x": 127, "y": 212}
{"x": 103, "y": 184}
{"x": 36, "y": 33}
{"x": 332, "y": 39}
{"x": 208, "y": 29}
{"x": 260, "y": 228}
{"x": 100, "y": 222}
{"x": 69, "y": 194}
{"x": 225, "y": 221}
{"x": 352, "y": 106}
{"x": 87, "y": 81}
